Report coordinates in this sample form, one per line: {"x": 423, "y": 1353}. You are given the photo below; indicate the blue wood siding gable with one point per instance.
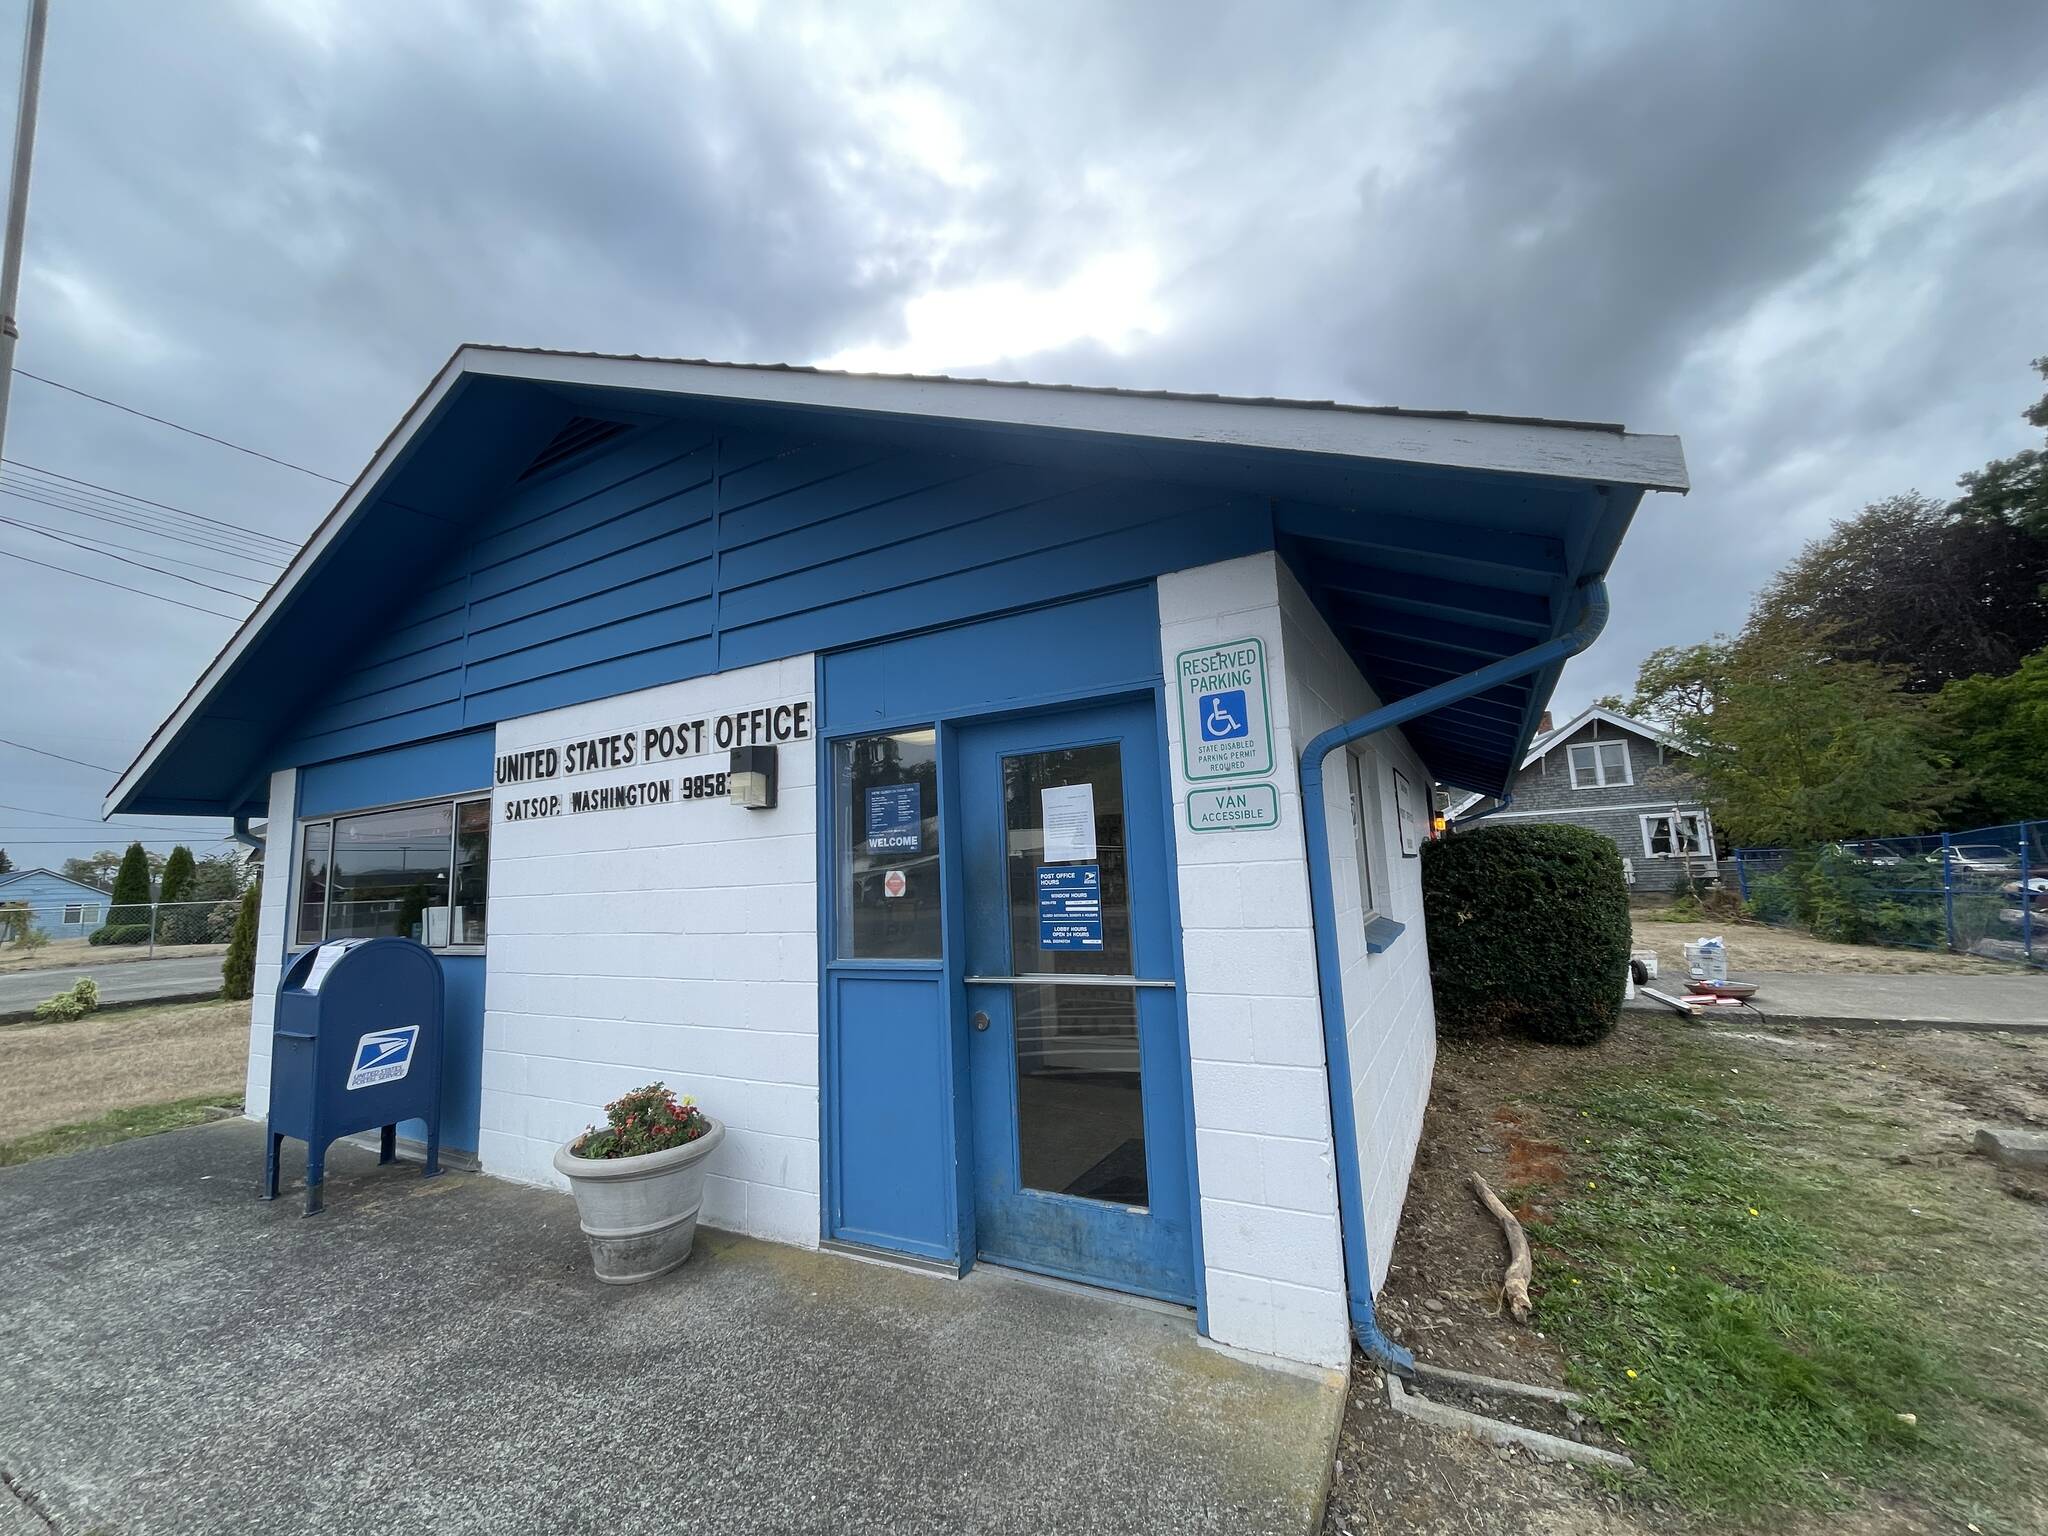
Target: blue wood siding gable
{"x": 683, "y": 548}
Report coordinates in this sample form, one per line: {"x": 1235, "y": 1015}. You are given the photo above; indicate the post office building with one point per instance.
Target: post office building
{"x": 1000, "y": 805}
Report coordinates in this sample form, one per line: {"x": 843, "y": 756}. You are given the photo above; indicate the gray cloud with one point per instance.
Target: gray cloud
{"x": 1805, "y": 237}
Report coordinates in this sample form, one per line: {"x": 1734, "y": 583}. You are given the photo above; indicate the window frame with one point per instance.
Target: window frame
{"x": 1703, "y": 834}
{"x": 1361, "y": 772}
{"x": 1599, "y": 779}
{"x": 74, "y": 913}
{"x": 332, "y": 819}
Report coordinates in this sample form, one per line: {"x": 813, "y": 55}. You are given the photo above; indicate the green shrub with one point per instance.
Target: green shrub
{"x": 238, "y": 969}
{"x": 76, "y": 1003}
{"x": 30, "y": 939}
{"x": 179, "y": 873}
{"x": 1528, "y": 931}
{"x": 120, "y": 933}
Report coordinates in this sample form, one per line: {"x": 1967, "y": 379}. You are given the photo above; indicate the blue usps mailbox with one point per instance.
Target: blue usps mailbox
{"x": 356, "y": 1043}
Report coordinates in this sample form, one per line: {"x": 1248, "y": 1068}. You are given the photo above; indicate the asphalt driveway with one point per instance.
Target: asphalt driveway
{"x": 132, "y": 981}
{"x": 434, "y": 1355}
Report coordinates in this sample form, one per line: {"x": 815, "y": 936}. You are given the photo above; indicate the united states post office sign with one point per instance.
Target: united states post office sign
{"x": 1226, "y": 731}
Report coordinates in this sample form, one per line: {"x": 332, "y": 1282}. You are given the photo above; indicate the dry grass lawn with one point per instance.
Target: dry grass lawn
{"x": 59, "y": 1074}
{"x": 70, "y": 954}
{"x": 1754, "y": 947}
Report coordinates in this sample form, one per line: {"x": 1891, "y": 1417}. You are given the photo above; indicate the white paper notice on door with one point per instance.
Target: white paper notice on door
{"x": 1069, "y": 823}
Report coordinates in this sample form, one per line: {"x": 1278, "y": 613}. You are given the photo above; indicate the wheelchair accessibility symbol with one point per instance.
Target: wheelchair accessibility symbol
{"x": 1224, "y": 716}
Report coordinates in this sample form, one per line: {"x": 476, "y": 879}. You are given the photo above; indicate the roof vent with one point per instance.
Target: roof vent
{"x": 579, "y": 435}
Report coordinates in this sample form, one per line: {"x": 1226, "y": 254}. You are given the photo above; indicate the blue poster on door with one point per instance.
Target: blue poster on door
{"x": 895, "y": 819}
{"x": 1070, "y": 906}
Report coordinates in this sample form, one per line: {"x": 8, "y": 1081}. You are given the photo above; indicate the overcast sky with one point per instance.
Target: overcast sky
{"x": 1809, "y": 238}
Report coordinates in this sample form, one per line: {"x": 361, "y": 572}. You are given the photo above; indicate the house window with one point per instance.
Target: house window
{"x": 74, "y": 912}
{"x": 416, "y": 871}
{"x": 1682, "y": 832}
{"x": 1600, "y": 764}
{"x": 1361, "y": 771}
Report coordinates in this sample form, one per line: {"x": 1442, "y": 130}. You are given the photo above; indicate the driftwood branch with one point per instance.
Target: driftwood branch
{"x": 1514, "y": 1286}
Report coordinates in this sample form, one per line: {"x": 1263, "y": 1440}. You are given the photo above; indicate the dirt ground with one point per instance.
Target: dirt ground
{"x": 57, "y": 1074}
{"x": 69, "y": 954}
{"x": 1898, "y": 1109}
{"x": 1755, "y": 947}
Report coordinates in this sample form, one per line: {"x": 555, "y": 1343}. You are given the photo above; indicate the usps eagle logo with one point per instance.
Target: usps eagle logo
{"x": 383, "y": 1056}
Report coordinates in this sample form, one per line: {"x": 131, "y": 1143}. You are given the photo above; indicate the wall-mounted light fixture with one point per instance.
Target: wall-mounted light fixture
{"x": 751, "y": 781}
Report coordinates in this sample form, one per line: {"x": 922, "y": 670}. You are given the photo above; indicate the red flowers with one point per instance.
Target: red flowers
{"x": 650, "y": 1119}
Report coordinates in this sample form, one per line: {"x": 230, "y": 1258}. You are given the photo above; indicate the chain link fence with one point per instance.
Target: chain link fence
{"x": 1982, "y": 892}
{"x": 76, "y": 928}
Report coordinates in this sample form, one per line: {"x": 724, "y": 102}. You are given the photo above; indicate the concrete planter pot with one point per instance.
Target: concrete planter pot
{"x": 639, "y": 1214}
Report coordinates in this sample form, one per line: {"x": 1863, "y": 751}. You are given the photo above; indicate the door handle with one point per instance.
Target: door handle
{"x": 980, "y": 1019}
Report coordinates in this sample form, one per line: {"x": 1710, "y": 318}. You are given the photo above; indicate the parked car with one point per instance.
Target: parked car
{"x": 1982, "y": 858}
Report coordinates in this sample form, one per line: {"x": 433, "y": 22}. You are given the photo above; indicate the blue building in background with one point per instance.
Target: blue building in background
{"x": 60, "y": 906}
{"x": 998, "y": 804}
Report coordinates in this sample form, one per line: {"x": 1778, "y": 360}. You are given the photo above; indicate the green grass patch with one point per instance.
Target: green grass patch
{"x": 116, "y": 1125}
{"x": 1712, "y": 1313}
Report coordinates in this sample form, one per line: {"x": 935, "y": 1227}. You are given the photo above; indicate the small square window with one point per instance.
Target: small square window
{"x": 1600, "y": 764}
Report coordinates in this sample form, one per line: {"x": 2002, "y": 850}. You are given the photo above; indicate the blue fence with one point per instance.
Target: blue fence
{"x": 1983, "y": 892}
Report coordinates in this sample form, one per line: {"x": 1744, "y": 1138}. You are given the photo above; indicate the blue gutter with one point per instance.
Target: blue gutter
{"x": 1494, "y": 809}
{"x": 1323, "y": 901}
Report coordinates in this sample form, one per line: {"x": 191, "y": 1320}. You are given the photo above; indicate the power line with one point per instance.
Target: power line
{"x": 134, "y": 525}
{"x": 40, "y": 752}
{"x": 73, "y": 842}
{"x": 136, "y": 549}
{"x": 63, "y": 570}
{"x": 161, "y": 506}
{"x": 141, "y": 565}
{"x": 176, "y": 427}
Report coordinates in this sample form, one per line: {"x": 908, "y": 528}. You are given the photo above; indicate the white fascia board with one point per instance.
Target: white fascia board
{"x": 1549, "y": 741}
{"x": 308, "y": 557}
{"x": 1650, "y": 460}
{"x": 1653, "y": 461}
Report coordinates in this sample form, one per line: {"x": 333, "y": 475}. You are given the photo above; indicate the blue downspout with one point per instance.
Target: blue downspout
{"x": 1323, "y": 903}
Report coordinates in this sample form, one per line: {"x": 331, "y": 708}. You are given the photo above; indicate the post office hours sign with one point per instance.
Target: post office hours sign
{"x": 1225, "y": 729}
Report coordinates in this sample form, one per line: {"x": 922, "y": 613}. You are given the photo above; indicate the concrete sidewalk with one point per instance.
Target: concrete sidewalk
{"x": 435, "y": 1356}
{"x": 1992, "y": 1001}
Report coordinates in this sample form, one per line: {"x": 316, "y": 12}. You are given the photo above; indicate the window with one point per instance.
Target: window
{"x": 1600, "y": 764}
{"x": 417, "y": 872}
{"x": 1693, "y": 836}
{"x": 886, "y": 865}
{"x": 82, "y": 912}
{"x": 1360, "y": 769}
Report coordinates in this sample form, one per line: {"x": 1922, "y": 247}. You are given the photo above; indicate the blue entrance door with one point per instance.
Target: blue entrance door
{"x": 1074, "y": 1050}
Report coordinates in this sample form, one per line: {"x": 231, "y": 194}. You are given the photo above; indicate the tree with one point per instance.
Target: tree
{"x": 1998, "y": 728}
{"x": 131, "y": 888}
{"x": 238, "y": 967}
{"x": 6, "y": 864}
{"x": 178, "y": 875}
{"x": 97, "y": 870}
{"x": 219, "y": 877}
{"x": 1678, "y": 686}
{"x": 1913, "y": 585}
{"x": 1799, "y": 748}
{"x": 2013, "y": 493}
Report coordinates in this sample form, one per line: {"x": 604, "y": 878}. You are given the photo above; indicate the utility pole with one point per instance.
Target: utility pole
{"x": 17, "y": 194}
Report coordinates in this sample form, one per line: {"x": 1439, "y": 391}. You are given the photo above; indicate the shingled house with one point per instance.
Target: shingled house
{"x": 1625, "y": 779}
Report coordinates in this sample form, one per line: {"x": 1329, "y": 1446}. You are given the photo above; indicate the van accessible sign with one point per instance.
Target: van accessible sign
{"x": 1225, "y": 731}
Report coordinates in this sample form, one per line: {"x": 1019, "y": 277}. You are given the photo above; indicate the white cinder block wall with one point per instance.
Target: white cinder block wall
{"x": 1273, "y": 1259}
{"x": 280, "y": 859}
{"x": 1389, "y": 1013}
{"x": 676, "y": 942}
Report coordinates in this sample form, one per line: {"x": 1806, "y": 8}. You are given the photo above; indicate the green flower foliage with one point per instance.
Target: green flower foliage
{"x": 650, "y": 1119}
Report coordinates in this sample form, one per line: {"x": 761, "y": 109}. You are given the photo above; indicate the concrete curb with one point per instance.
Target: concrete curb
{"x": 1812, "y": 1021}
{"x": 1476, "y": 1383}
{"x": 210, "y": 995}
{"x": 1500, "y": 1432}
